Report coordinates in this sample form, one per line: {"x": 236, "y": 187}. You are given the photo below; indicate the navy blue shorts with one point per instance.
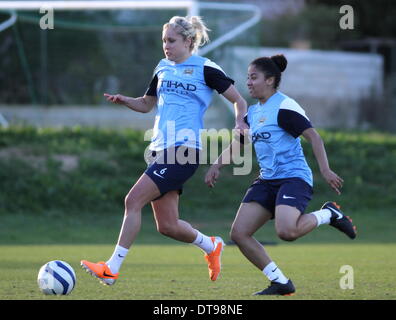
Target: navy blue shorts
{"x": 171, "y": 168}
{"x": 293, "y": 192}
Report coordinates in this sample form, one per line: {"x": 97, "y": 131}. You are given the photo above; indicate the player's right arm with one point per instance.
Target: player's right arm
{"x": 142, "y": 104}
{"x": 225, "y": 158}
{"x": 227, "y": 155}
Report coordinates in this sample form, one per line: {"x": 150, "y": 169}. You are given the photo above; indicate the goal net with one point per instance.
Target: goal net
{"x": 98, "y": 46}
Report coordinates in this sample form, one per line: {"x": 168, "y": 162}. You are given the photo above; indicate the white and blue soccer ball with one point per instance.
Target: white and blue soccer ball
{"x": 56, "y": 278}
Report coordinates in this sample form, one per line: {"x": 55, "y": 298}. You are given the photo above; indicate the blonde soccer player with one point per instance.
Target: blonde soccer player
{"x": 181, "y": 88}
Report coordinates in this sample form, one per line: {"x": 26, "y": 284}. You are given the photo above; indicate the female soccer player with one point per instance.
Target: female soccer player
{"x": 182, "y": 88}
{"x": 284, "y": 186}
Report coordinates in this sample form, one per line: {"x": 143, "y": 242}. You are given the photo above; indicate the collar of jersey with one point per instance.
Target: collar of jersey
{"x": 269, "y": 100}
{"x": 189, "y": 61}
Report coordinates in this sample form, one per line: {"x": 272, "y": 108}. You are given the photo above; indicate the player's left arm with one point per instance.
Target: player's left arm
{"x": 313, "y": 137}
{"x": 240, "y": 107}
{"x": 215, "y": 78}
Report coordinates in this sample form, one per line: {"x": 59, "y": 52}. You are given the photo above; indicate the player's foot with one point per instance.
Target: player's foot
{"x": 278, "y": 289}
{"x": 214, "y": 258}
{"x": 339, "y": 220}
{"x": 101, "y": 271}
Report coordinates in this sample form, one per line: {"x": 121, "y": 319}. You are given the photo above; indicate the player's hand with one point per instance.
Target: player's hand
{"x": 212, "y": 175}
{"x": 241, "y": 131}
{"x": 333, "y": 180}
{"x": 241, "y": 126}
{"x": 117, "y": 98}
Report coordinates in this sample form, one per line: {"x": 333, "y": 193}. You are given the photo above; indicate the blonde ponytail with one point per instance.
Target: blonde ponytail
{"x": 202, "y": 30}
{"x": 192, "y": 27}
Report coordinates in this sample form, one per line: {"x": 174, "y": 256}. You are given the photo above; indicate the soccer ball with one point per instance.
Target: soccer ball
{"x": 56, "y": 277}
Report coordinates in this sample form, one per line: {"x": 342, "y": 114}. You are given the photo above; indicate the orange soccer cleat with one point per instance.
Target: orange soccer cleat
{"x": 100, "y": 271}
{"x": 214, "y": 258}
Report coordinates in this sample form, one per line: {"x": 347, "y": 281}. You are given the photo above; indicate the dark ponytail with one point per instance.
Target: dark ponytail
{"x": 272, "y": 67}
{"x": 280, "y": 61}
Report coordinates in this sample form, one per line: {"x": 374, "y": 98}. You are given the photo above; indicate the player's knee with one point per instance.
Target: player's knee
{"x": 237, "y": 235}
{"x": 287, "y": 234}
{"x": 166, "y": 229}
{"x": 131, "y": 203}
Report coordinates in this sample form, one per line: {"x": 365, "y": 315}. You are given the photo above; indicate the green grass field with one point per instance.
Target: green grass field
{"x": 172, "y": 272}
{"x": 175, "y": 271}
{"x": 61, "y": 198}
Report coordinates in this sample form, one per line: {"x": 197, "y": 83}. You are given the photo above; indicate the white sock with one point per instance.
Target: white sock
{"x": 115, "y": 261}
{"x": 322, "y": 216}
{"x": 273, "y": 273}
{"x": 203, "y": 242}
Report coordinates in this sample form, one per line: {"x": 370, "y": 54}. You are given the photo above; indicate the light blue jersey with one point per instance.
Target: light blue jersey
{"x": 184, "y": 92}
{"x": 275, "y": 127}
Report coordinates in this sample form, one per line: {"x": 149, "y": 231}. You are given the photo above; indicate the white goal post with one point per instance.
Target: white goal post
{"x": 192, "y": 6}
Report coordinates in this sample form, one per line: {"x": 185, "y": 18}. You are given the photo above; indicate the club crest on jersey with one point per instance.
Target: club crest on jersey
{"x": 262, "y": 120}
{"x": 189, "y": 71}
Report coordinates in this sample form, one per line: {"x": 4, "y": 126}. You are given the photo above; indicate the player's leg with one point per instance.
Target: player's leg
{"x": 258, "y": 206}
{"x": 290, "y": 224}
{"x": 140, "y": 194}
{"x": 250, "y": 217}
{"x": 291, "y": 201}
{"x": 166, "y": 213}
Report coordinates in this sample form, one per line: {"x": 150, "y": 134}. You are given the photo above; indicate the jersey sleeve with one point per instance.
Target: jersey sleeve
{"x": 242, "y": 138}
{"x": 292, "y": 118}
{"x": 152, "y": 89}
{"x": 245, "y": 118}
{"x": 215, "y": 77}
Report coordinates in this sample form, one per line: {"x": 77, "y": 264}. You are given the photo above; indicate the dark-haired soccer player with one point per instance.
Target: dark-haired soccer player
{"x": 284, "y": 186}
